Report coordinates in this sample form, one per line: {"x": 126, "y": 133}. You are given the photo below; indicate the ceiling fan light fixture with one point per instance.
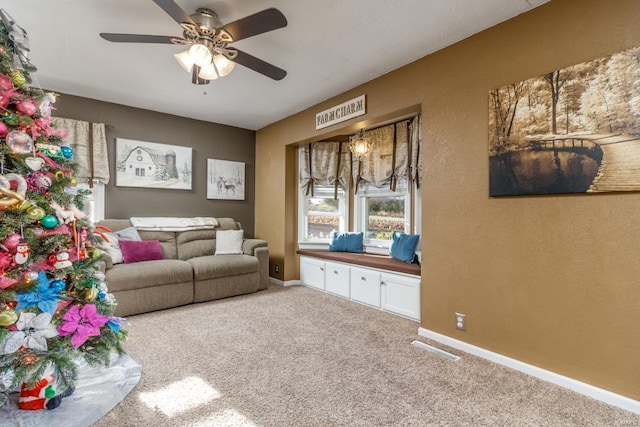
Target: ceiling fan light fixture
{"x": 200, "y": 54}
{"x": 206, "y": 37}
{"x": 185, "y": 60}
{"x": 208, "y": 72}
{"x": 222, "y": 64}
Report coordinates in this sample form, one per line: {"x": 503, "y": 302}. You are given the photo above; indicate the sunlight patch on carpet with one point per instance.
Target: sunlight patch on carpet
{"x": 180, "y": 396}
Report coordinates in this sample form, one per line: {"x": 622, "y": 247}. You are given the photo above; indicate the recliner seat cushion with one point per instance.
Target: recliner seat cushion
{"x": 214, "y": 266}
{"x": 145, "y": 274}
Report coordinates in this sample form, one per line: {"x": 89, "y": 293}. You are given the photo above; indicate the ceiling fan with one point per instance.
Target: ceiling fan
{"x": 210, "y": 54}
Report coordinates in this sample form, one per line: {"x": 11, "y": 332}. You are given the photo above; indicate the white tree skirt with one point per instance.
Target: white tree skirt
{"x": 98, "y": 390}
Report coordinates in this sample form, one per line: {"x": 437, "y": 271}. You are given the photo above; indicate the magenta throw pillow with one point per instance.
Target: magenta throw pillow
{"x": 140, "y": 250}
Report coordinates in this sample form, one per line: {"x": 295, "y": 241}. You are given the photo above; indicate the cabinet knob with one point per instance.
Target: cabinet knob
{"x": 335, "y": 272}
{"x": 321, "y": 268}
{"x": 364, "y": 279}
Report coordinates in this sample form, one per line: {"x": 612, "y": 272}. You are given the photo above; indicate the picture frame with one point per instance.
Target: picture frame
{"x": 571, "y": 130}
{"x": 225, "y": 179}
{"x": 146, "y": 164}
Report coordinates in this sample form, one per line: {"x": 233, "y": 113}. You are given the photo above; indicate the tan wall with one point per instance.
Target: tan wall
{"x": 551, "y": 281}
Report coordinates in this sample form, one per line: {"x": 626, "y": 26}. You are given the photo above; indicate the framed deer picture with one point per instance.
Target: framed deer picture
{"x": 225, "y": 179}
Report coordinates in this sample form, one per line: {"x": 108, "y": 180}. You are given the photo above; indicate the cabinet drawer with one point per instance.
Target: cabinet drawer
{"x": 365, "y": 286}
{"x": 337, "y": 279}
{"x": 312, "y": 272}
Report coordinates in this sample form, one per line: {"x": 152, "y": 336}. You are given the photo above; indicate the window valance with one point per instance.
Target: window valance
{"x": 324, "y": 163}
{"x": 89, "y": 144}
{"x": 395, "y": 155}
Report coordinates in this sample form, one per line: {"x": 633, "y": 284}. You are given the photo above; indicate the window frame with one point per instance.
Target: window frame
{"x": 361, "y": 204}
{"x": 94, "y": 206}
{"x": 320, "y": 191}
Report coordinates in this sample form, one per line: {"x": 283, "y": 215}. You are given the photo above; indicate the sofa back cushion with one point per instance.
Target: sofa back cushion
{"x": 195, "y": 243}
{"x": 167, "y": 241}
{"x": 228, "y": 224}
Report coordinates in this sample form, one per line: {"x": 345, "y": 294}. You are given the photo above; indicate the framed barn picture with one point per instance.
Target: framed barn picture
{"x": 225, "y": 179}
{"x": 152, "y": 165}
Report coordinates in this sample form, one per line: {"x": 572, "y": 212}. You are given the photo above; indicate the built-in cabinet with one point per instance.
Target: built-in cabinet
{"x": 390, "y": 291}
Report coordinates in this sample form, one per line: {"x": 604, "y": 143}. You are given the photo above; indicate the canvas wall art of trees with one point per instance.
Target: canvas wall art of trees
{"x": 573, "y": 130}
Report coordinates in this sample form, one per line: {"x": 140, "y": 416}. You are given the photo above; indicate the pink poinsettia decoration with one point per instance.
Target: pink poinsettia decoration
{"x": 83, "y": 322}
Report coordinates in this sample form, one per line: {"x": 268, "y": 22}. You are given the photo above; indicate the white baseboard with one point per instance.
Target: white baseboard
{"x": 566, "y": 382}
{"x": 287, "y": 283}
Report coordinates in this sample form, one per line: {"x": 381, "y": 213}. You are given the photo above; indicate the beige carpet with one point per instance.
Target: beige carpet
{"x": 299, "y": 357}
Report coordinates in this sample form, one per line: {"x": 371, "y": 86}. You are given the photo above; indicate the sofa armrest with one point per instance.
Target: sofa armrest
{"x": 262, "y": 253}
{"x": 249, "y": 246}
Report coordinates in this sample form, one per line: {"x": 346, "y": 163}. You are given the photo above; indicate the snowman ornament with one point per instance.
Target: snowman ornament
{"x": 22, "y": 252}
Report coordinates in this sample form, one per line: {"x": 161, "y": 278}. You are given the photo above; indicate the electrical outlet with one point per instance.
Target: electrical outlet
{"x": 461, "y": 322}
{"x": 277, "y": 268}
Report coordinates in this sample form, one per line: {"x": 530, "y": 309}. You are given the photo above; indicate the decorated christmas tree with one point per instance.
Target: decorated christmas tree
{"x": 55, "y": 309}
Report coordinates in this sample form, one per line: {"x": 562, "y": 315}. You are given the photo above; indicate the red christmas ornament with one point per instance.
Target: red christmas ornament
{"x": 3, "y": 130}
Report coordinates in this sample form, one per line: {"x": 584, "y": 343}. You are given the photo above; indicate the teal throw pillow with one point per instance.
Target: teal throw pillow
{"x": 346, "y": 242}
{"x": 403, "y": 246}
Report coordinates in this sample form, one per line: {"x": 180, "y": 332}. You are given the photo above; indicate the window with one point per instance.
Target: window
{"x": 378, "y": 193}
{"x": 94, "y": 203}
{"x": 380, "y": 212}
{"x": 321, "y": 213}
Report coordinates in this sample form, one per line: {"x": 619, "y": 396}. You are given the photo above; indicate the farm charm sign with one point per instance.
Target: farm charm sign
{"x": 573, "y": 130}
{"x": 353, "y": 108}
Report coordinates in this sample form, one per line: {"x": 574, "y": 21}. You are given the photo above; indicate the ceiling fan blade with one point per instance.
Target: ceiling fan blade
{"x": 258, "y": 23}
{"x": 259, "y": 66}
{"x": 175, "y": 11}
{"x": 138, "y": 38}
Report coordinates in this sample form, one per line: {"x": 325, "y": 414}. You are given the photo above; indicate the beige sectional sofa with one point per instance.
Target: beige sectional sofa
{"x": 189, "y": 271}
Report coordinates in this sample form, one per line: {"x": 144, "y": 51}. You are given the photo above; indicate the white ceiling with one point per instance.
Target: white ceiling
{"x": 328, "y": 47}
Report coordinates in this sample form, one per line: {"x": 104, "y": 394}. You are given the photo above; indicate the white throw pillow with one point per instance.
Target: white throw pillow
{"x": 229, "y": 242}
{"x": 112, "y": 247}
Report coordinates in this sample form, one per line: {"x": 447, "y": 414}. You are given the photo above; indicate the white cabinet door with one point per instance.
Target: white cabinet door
{"x": 401, "y": 295}
{"x": 337, "y": 279}
{"x": 312, "y": 272}
{"x": 365, "y": 286}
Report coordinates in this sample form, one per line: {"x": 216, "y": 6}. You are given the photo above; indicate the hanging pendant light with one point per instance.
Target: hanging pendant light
{"x": 359, "y": 145}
